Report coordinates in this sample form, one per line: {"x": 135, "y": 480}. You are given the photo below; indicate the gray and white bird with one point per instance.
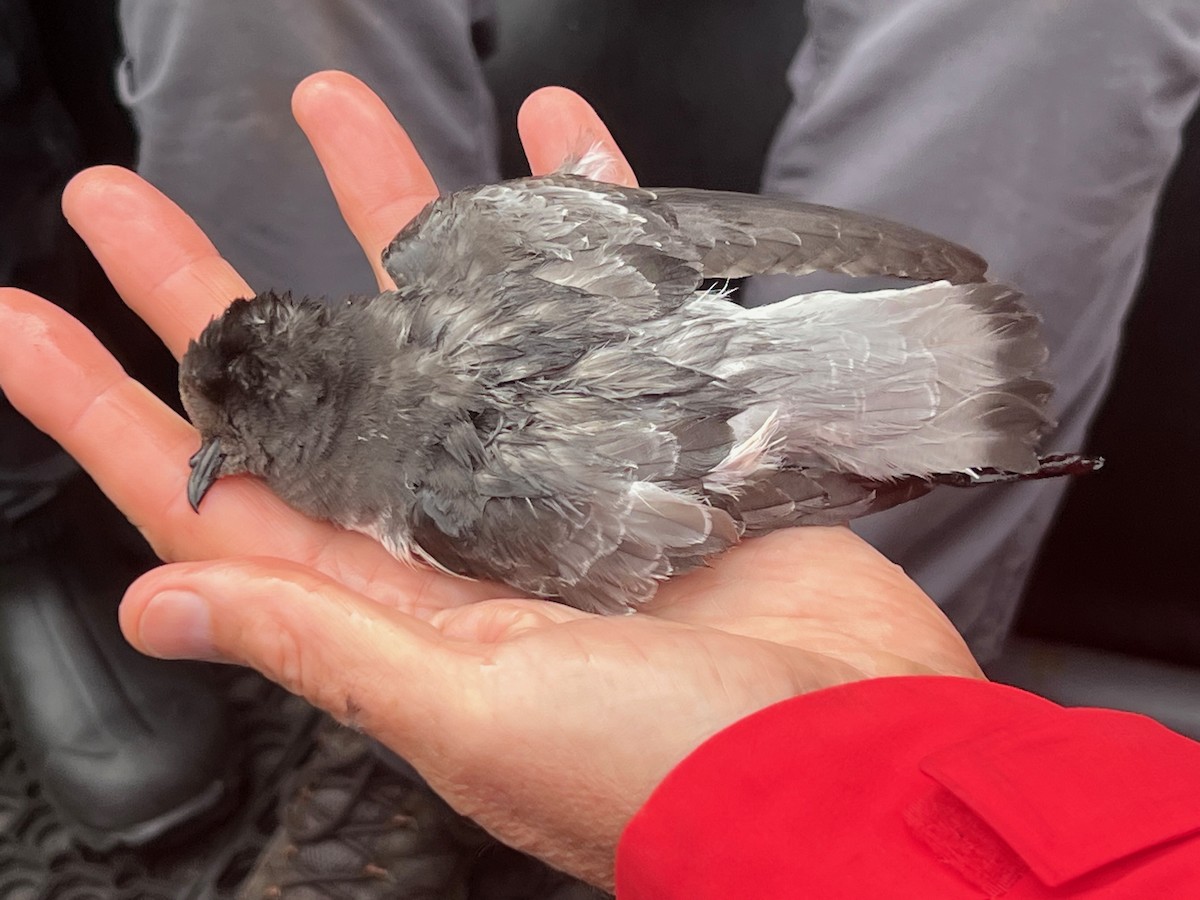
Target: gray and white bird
{"x": 551, "y": 400}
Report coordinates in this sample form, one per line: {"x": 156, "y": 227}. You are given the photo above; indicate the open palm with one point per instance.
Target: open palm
{"x": 548, "y": 725}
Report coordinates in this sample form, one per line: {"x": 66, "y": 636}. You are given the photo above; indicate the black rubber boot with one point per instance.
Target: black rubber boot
{"x": 126, "y": 748}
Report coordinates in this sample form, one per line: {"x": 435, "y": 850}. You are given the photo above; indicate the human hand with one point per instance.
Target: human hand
{"x": 547, "y": 725}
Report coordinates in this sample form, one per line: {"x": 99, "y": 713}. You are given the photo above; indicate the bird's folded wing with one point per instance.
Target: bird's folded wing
{"x": 596, "y": 519}
{"x": 647, "y": 249}
{"x": 749, "y": 234}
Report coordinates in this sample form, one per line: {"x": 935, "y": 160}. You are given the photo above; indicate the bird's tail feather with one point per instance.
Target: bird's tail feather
{"x": 934, "y": 378}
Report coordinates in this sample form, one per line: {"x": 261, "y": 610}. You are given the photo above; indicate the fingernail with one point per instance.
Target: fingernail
{"x": 178, "y": 625}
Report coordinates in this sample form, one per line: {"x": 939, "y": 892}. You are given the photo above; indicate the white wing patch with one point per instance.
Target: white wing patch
{"x": 755, "y": 455}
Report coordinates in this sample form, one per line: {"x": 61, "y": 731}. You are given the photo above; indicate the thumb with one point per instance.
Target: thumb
{"x": 344, "y": 653}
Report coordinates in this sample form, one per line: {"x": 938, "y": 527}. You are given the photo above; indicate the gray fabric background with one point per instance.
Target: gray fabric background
{"x": 209, "y": 83}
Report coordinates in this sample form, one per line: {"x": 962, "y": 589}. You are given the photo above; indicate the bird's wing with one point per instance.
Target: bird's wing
{"x": 546, "y": 247}
{"x": 751, "y": 234}
{"x": 595, "y": 520}
{"x": 522, "y": 276}
{"x": 799, "y": 496}
{"x": 652, "y": 246}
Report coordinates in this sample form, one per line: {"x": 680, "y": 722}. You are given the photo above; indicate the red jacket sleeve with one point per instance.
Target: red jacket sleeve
{"x": 925, "y": 788}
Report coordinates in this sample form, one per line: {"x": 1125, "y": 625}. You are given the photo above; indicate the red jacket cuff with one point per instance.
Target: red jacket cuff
{"x": 955, "y": 787}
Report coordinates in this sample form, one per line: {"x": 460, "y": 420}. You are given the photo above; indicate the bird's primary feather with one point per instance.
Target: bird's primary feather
{"x": 549, "y": 399}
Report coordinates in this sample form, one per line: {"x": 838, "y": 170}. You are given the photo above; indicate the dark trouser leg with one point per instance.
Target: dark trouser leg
{"x": 125, "y": 747}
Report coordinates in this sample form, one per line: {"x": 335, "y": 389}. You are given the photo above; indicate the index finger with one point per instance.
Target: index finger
{"x": 161, "y": 263}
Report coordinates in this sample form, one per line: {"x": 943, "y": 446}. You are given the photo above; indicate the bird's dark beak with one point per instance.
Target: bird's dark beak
{"x": 206, "y": 468}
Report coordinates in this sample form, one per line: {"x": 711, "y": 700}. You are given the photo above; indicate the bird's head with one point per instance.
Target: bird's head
{"x": 257, "y": 384}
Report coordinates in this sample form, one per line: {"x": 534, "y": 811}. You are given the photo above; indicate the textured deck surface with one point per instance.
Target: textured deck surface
{"x": 38, "y": 860}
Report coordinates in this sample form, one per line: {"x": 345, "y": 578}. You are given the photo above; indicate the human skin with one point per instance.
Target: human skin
{"x": 547, "y": 725}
